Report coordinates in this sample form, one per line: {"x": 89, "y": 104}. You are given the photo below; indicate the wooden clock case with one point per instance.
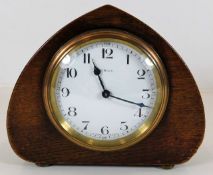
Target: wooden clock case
{"x": 178, "y": 136}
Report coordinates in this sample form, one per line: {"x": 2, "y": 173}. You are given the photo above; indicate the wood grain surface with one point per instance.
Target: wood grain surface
{"x": 175, "y": 140}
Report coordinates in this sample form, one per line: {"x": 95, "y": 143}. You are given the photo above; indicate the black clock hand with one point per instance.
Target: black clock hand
{"x": 107, "y": 93}
{"x": 97, "y": 72}
{"x": 139, "y": 104}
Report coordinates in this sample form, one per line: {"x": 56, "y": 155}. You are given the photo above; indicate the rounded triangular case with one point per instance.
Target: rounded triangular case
{"x": 175, "y": 140}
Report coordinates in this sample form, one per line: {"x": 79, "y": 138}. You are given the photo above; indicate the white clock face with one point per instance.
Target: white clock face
{"x": 106, "y": 89}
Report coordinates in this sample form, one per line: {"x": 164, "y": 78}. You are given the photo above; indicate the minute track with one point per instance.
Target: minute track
{"x": 106, "y": 98}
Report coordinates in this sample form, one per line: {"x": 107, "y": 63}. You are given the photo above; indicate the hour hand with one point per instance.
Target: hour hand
{"x": 97, "y": 72}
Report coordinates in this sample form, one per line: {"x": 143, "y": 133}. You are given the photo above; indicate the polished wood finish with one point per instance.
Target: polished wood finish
{"x": 175, "y": 140}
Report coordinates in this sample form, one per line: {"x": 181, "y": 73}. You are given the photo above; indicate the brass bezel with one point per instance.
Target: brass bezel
{"x": 101, "y": 145}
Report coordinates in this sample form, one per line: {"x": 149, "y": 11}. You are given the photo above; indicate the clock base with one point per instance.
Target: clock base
{"x": 167, "y": 167}
{"x": 157, "y": 166}
{"x": 43, "y": 164}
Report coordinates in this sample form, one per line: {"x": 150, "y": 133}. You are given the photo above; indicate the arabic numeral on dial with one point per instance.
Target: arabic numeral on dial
{"x": 87, "y": 58}
{"x": 138, "y": 113}
{"x": 141, "y": 74}
{"x": 123, "y": 127}
{"x": 71, "y": 72}
{"x": 107, "y": 53}
{"x": 86, "y": 123}
{"x": 146, "y": 94}
{"x": 104, "y": 130}
{"x": 127, "y": 59}
{"x": 65, "y": 92}
{"x": 72, "y": 111}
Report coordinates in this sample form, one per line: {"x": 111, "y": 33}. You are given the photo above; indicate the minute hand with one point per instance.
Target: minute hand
{"x": 138, "y": 104}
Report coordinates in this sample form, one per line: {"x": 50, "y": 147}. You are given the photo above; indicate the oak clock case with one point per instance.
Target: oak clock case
{"x": 46, "y": 122}
{"x": 127, "y": 63}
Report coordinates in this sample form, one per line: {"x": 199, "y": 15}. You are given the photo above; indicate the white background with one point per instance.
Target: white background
{"x": 186, "y": 24}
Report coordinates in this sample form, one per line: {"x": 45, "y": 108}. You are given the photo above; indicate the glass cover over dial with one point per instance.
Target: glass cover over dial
{"x": 105, "y": 90}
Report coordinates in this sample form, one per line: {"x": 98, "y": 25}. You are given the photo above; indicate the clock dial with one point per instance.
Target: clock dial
{"x": 106, "y": 93}
{"x": 124, "y": 73}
